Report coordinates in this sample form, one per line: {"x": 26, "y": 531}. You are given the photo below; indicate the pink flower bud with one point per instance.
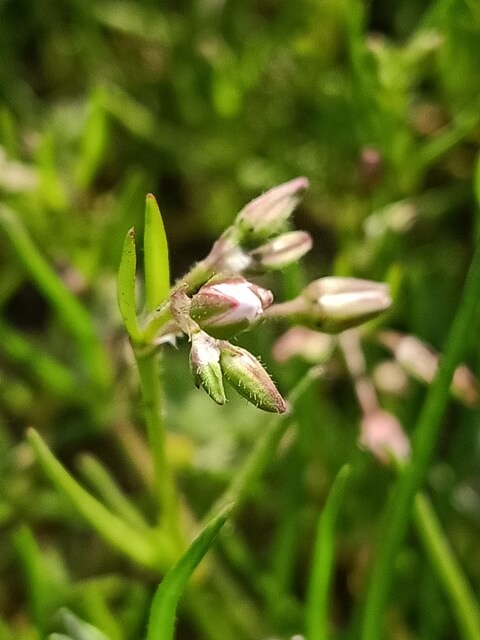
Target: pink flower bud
{"x": 248, "y": 377}
{"x": 382, "y": 435}
{"x": 336, "y": 304}
{"x": 266, "y": 215}
{"x": 225, "y": 306}
{"x": 421, "y": 362}
{"x": 282, "y": 251}
{"x": 300, "y": 342}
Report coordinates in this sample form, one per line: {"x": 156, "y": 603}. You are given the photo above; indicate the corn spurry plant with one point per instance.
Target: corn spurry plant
{"x": 214, "y": 301}
{"x": 210, "y": 306}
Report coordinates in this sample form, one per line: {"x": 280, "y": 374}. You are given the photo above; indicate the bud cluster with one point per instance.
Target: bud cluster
{"x": 214, "y": 301}
{"x": 211, "y": 360}
{"x": 258, "y": 240}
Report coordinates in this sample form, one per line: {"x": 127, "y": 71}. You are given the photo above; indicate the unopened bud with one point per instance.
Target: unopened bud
{"x": 281, "y": 251}
{"x": 339, "y": 303}
{"x": 300, "y": 342}
{"x": 266, "y": 215}
{"x": 335, "y": 304}
{"x": 389, "y": 377}
{"x": 421, "y": 362}
{"x": 225, "y": 306}
{"x": 382, "y": 435}
{"x": 248, "y": 377}
{"x": 205, "y": 366}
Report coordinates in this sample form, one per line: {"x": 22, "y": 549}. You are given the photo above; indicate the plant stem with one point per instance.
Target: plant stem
{"x": 399, "y": 508}
{"x": 163, "y": 481}
{"x": 450, "y": 574}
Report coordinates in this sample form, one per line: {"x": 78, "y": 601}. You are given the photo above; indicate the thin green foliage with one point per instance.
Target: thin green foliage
{"x": 317, "y": 614}
{"x": 161, "y": 624}
{"x": 398, "y": 512}
{"x": 117, "y": 532}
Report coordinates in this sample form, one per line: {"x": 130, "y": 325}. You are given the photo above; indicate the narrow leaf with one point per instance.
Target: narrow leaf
{"x": 164, "y": 606}
{"x": 107, "y": 488}
{"x": 317, "y": 613}
{"x": 157, "y": 272}
{"x": 34, "y": 575}
{"x": 126, "y": 287}
{"x": 112, "y": 528}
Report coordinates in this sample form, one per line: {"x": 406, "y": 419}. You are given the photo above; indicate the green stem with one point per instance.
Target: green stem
{"x": 450, "y": 574}
{"x": 399, "y": 508}
{"x": 163, "y": 481}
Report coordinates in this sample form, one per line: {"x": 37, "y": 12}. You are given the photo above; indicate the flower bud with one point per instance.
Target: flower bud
{"x": 225, "y": 306}
{"x": 205, "y": 366}
{"x": 266, "y": 215}
{"x": 421, "y": 362}
{"x": 248, "y": 377}
{"x": 382, "y": 435}
{"x": 281, "y": 251}
{"x": 335, "y": 304}
{"x": 300, "y": 342}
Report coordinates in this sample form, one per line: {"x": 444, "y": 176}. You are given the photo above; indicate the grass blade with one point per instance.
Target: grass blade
{"x": 445, "y": 565}
{"x": 316, "y": 621}
{"x": 112, "y": 528}
{"x": 164, "y": 606}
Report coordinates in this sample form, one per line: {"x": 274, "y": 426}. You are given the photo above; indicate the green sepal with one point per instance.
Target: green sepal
{"x": 248, "y": 377}
{"x": 126, "y": 287}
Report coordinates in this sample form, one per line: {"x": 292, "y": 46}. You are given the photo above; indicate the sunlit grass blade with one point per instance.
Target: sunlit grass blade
{"x": 161, "y": 625}
{"x": 126, "y": 287}
{"x": 157, "y": 271}
{"x": 317, "y": 610}
{"x": 137, "y": 546}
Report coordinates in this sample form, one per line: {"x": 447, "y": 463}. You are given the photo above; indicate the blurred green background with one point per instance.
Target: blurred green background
{"x": 206, "y": 104}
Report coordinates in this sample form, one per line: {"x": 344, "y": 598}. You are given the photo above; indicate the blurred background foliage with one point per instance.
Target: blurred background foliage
{"x": 206, "y": 104}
